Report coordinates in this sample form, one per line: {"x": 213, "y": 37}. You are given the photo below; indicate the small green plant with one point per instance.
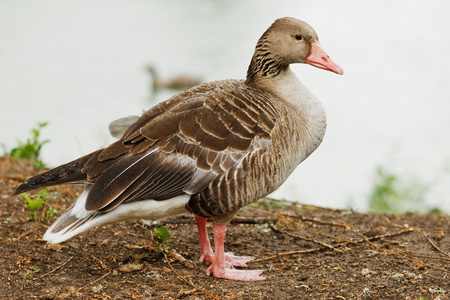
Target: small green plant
{"x": 71, "y": 246}
{"x": 162, "y": 238}
{"x": 33, "y": 204}
{"x": 37, "y": 202}
{"x": 35, "y": 270}
{"x": 395, "y": 195}
{"x": 8, "y": 220}
{"x": 31, "y": 149}
{"x": 29, "y": 275}
{"x": 50, "y": 213}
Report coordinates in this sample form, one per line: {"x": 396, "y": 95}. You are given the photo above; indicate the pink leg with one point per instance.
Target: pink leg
{"x": 219, "y": 268}
{"x": 206, "y": 252}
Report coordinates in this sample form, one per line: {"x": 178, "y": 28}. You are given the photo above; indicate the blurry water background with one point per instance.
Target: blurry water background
{"x": 81, "y": 64}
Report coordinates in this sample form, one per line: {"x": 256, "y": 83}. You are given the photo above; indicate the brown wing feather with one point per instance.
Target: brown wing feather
{"x": 116, "y": 179}
{"x": 152, "y": 175}
{"x": 67, "y": 173}
{"x": 194, "y": 138}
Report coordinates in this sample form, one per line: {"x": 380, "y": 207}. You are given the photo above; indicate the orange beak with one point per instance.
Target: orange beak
{"x": 318, "y": 58}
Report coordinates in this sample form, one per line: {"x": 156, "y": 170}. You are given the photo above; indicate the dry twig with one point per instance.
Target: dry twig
{"x": 86, "y": 285}
{"x": 304, "y": 238}
{"x": 420, "y": 264}
{"x": 426, "y": 256}
{"x": 286, "y": 254}
{"x": 314, "y": 220}
{"x": 190, "y": 282}
{"x": 432, "y": 243}
{"x": 58, "y": 267}
{"x": 18, "y": 177}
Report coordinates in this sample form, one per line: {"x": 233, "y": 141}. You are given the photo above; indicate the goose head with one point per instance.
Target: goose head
{"x": 288, "y": 41}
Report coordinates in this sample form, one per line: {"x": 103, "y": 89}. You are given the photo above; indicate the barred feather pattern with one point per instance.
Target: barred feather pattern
{"x": 264, "y": 61}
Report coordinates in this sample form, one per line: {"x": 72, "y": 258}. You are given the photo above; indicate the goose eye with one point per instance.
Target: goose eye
{"x": 298, "y": 37}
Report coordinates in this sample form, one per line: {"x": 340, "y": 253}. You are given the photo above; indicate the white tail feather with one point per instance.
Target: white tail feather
{"x": 77, "y": 219}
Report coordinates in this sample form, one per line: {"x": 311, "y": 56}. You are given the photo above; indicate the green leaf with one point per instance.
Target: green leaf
{"x": 35, "y": 270}
{"x": 31, "y": 216}
{"x": 162, "y": 238}
{"x": 38, "y": 201}
{"x": 163, "y": 233}
{"x": 31, "y": 148}
{"x": 34, "y": 204}
{"x": 50, "y": 213}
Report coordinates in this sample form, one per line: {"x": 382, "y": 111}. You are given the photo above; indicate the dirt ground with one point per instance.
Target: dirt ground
{"x": 307, "y": 252}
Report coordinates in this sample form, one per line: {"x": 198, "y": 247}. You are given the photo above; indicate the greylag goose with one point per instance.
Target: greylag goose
{"x": 209, "y": 150}
{"x": 179, "y": 82}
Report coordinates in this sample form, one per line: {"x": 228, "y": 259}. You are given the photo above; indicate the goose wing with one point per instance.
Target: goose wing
{"x": 181, "y": 145}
